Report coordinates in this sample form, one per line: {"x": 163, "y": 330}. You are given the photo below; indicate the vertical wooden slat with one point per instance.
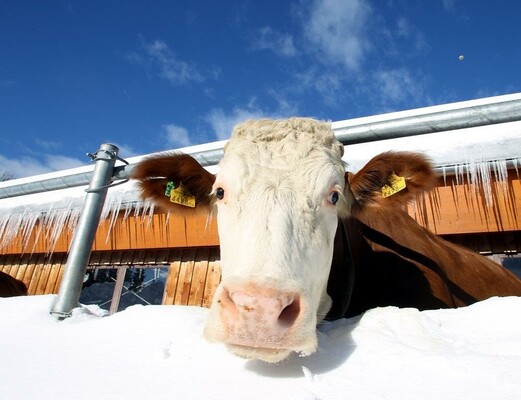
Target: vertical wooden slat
{"x": 95, "y": 257}
{"x": 8, "y": 264}
{"x": 185, "y": 277}
{"x": 172, "y": 278}
{"x": 213, "y": 277}
{"x": 54, "y": 272}
{"x": 115, "y": 257}
{"x": 175, "y": 230}
{"x": 23, "y": 267}
{"x": 126, "y": 257}
{"x": 29, "y": 272}
{"x": 14, "y": 269}
{"x": 58, "y": 279}
{"x": 38, "y": 270}
{"x": 199, "y": 277}
{"x": 162, "y": 256}
{"x": 139, "y": 257}
{"x": 44, "y": 277}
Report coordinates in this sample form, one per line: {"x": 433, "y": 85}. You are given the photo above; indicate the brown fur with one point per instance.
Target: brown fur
{"x": 153, "y": 174}
{"x": 367, "y": 184}
{"x": 10, "y": 286}
{"x": 395, "y": 261}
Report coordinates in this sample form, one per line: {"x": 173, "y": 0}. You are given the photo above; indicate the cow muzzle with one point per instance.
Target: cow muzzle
{"x": 262, "y": 322}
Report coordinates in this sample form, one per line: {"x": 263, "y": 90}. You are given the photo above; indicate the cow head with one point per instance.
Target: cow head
{"x": 278, "y": 194}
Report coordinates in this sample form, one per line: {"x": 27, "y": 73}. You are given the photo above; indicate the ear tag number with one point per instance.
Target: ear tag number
{"x": 397, "y": 183}
{"x": 181, "y": 195}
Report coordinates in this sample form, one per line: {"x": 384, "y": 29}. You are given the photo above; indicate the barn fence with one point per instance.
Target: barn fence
{"x": 105, "y": 174}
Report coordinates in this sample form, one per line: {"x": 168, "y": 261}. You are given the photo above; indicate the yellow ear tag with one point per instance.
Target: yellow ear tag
{"x": 397, "y": 183}
{"x": 181, "y": 195}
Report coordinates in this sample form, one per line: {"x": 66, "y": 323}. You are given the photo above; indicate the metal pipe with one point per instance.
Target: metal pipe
{"x": 467, "y": 117}
{"x": 46, "y": 185}
{"x": 81, "y": 246}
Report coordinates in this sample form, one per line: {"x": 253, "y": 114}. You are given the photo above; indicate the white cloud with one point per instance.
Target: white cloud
{"x": 279, "y": 43}
{"x": 177, "y": 136}
{"x": 58, "y": 163}
{"x": 29, "y": 166}
{"x": 48, "y": 144}
{"x": 126, "y": 151}
{"x": 404, "y": 27}
{"x": 337, "y": 31}
{"x": 7, "y": 83}
{"x": 158, "y": 55}
{"x": 322, "y": 80}
{"x": 222, "y": 123}
{"x": 395, "y": 86}
{"x": 448, "y": 5}
{"x": 171, "y": 68}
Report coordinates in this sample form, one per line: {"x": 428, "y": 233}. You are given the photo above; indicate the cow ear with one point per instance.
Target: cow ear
{"x": 393, "y": 177}
{"x": 158, "y": 175}
{"x": 344, "y": 206}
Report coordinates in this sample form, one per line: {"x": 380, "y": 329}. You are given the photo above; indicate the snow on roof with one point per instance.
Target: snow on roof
{"x": 483, "y": 151}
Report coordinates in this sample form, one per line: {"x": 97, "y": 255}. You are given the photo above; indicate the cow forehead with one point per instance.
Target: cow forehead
{"x": 299, "y": 148}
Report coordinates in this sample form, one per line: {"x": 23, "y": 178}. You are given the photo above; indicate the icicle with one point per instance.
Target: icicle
{"x": 444, "y": 172}
{"x": 501, "y": 175}
{"x": 515, "y": 162}
{"x": 113, "y": 208}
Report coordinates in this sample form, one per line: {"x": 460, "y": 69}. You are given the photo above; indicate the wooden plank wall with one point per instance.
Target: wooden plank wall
{"x": 194, "y": 273}
{"x": 193, "y": 278}
{"x": 187, "y": 229}
{"x": 40, "y": 273}
{"x": 460, "y": 207}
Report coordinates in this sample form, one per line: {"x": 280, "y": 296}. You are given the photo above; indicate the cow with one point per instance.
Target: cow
{"x": 10, "y": 286}
{"x": 303, "y": 241}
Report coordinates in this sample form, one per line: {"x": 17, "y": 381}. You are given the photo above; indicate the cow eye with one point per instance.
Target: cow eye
{"x": 333, "y": 197}
{"x": 219, "y": 193}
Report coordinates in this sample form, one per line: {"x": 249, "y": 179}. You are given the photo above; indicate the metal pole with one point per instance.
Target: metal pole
{"x": 81, "y": 246}
{"x": 467, "y": 117}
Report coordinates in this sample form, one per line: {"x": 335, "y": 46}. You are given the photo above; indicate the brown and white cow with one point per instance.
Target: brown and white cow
{"x": 10, "y": 286}
{"x": 302, "y": 240}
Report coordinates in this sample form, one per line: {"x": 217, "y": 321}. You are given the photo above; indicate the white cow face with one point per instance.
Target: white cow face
{"x": 278, "y": 194}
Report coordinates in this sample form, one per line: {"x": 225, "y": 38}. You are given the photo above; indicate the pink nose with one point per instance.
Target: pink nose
{"x": 258, "y": 316}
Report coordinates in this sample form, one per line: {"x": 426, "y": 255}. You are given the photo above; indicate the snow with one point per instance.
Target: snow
{"x": 158, "y": 352}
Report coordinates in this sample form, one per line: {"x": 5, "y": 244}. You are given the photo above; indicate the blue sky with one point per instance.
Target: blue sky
{"x": 155, "y": 75}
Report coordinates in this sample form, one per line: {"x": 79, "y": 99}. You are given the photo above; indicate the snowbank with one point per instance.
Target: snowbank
{"x": 157, "y": 352}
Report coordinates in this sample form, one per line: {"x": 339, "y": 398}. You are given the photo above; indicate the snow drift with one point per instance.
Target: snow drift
{"x": 158, "y": 352}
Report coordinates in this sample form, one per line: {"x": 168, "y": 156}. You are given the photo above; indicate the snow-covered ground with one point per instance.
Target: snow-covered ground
{"x": 158, "y": 352}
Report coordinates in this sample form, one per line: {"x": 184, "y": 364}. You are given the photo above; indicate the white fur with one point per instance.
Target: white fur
{"x": 276, "y": 223}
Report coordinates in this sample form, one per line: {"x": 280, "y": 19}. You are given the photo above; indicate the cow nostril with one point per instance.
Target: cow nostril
{"x": 289, "y": 314}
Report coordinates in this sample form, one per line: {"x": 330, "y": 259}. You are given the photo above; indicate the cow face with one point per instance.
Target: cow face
{"x": 278, "y": 194}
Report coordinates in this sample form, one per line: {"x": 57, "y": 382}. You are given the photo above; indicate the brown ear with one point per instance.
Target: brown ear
{"x": 415, "y": 168}
{"x": 154, "y": 173}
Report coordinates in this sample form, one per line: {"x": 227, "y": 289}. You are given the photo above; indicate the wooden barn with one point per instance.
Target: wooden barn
{"x": 141, "y": 255}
